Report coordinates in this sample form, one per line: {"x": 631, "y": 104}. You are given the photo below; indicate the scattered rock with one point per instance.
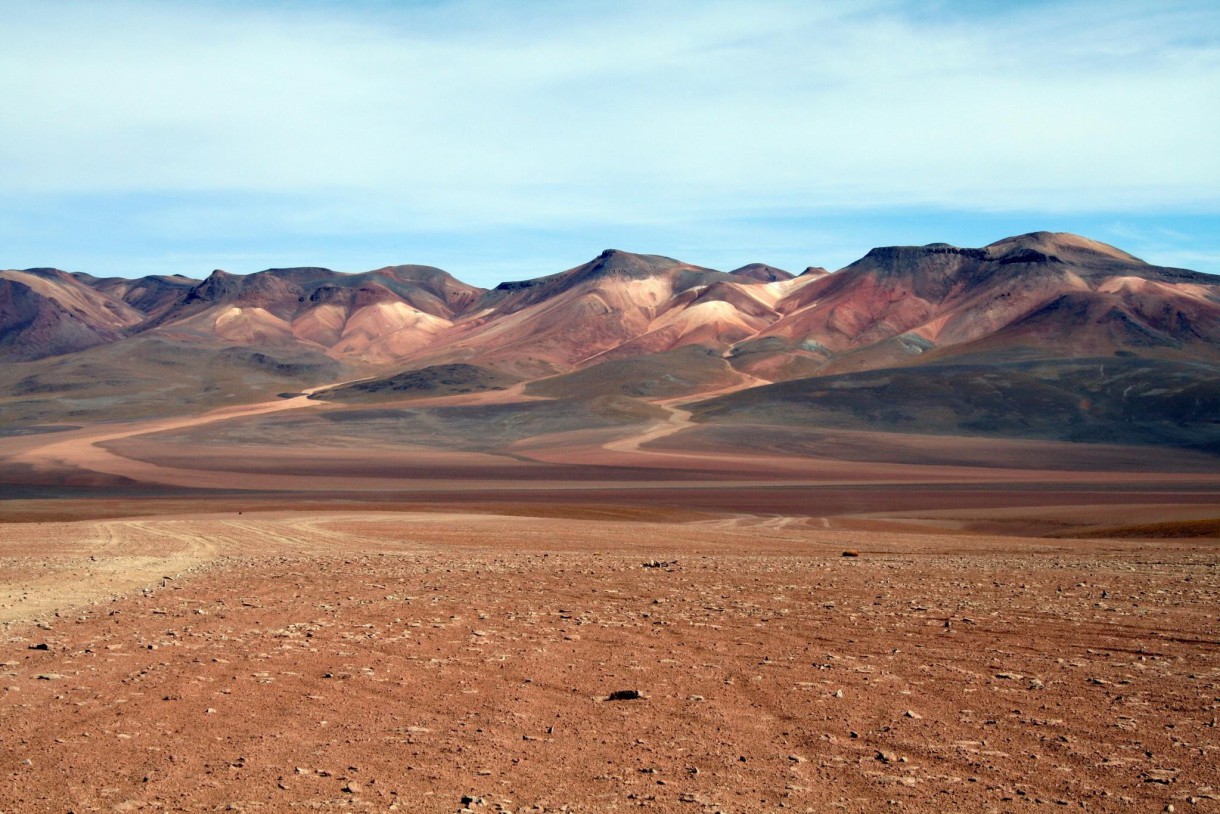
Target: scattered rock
{"x": 1162, "y": 776}
{"x": 624, "y": 695}
{"x": 851, "y": 552}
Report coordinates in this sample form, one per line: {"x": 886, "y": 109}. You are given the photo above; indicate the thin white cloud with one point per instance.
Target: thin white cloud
{"x": 452, "y": 114}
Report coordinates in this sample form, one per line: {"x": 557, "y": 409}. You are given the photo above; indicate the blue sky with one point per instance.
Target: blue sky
{"x": 505, "y": 140}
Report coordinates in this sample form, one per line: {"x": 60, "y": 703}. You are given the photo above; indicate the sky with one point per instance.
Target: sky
{"x": 508, "y": 140}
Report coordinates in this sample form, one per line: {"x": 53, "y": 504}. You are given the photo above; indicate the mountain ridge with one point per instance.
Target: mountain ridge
{"x": 1002, "y": 340}
{"x": 893, "y": 304}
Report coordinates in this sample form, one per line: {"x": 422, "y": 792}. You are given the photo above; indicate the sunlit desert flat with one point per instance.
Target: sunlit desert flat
{"x": 372, "y": 660}
{"x": 420, "y": 629}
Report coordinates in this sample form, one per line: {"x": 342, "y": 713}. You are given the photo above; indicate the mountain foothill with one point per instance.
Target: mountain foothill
{"x": 1042, "y": 336}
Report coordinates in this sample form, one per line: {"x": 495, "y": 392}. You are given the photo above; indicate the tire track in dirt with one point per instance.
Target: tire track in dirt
{"x": 97, "y": 561}
{"x": 59, "y": 566}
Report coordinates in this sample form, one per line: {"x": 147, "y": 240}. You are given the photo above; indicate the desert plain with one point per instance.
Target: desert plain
{"x": 201, "y": 615}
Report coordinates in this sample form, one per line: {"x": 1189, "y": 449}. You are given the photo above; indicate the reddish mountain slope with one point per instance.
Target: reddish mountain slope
{"x": 47, "y": 312}
{"x": 151, "y": 296}
{"x": 377, "y": 317}
{"x": 619, "y": 303}
{"x": 1042, "y": 294}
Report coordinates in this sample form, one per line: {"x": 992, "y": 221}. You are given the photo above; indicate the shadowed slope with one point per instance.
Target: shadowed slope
{"x": 47, "y": 312}
{"x": 1111, "y": 400}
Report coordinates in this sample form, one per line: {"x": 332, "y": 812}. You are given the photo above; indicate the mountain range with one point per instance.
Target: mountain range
{"x": 1025, "y": 311}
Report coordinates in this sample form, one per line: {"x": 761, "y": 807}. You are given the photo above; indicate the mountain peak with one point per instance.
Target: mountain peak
{"x": 761, "y": 272}
{"x": 218, "y": 284}
{"x": 1060, "y": 245}
{"x": 613, "y": 261}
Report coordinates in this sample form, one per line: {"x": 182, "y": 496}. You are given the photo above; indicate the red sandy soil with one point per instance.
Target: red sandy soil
{"x": 374, "y": 661}
{"x": 416, "y": 629}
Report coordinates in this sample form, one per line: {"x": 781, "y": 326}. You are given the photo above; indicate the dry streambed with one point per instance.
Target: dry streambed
{"x": 434, "y": 663}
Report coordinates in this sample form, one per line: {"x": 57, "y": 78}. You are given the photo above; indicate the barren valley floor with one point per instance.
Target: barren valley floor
{"x": 208, "y": 614}
{"x": 368, "y": 660}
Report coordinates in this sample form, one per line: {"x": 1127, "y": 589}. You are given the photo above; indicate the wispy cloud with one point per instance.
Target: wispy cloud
{"x": 455, "y": 116}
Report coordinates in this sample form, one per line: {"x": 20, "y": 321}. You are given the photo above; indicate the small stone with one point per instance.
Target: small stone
{"x": 838, "y": 693}
{"x": 886, "y": 756}
{"x": 624, "y": 695}
{"x": 40, "y": 646}
{"x": 851, "y": 552}
{"x": 49, "y": 676}
{"x": 796, "y": 758}
{"x": 352, "y": 787}
{"x": 910, "y": 713}
{"x": 1035, "y": 684}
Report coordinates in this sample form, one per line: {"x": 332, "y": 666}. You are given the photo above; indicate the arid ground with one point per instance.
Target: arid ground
{"x": 411, "y": 661}
{"x": 206, "y": 614}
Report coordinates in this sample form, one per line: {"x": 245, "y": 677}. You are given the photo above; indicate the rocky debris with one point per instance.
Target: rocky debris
{"x": 666, "y": 564}
{"x": 1164, "y": 777}
{"x": 772, "y": 673}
